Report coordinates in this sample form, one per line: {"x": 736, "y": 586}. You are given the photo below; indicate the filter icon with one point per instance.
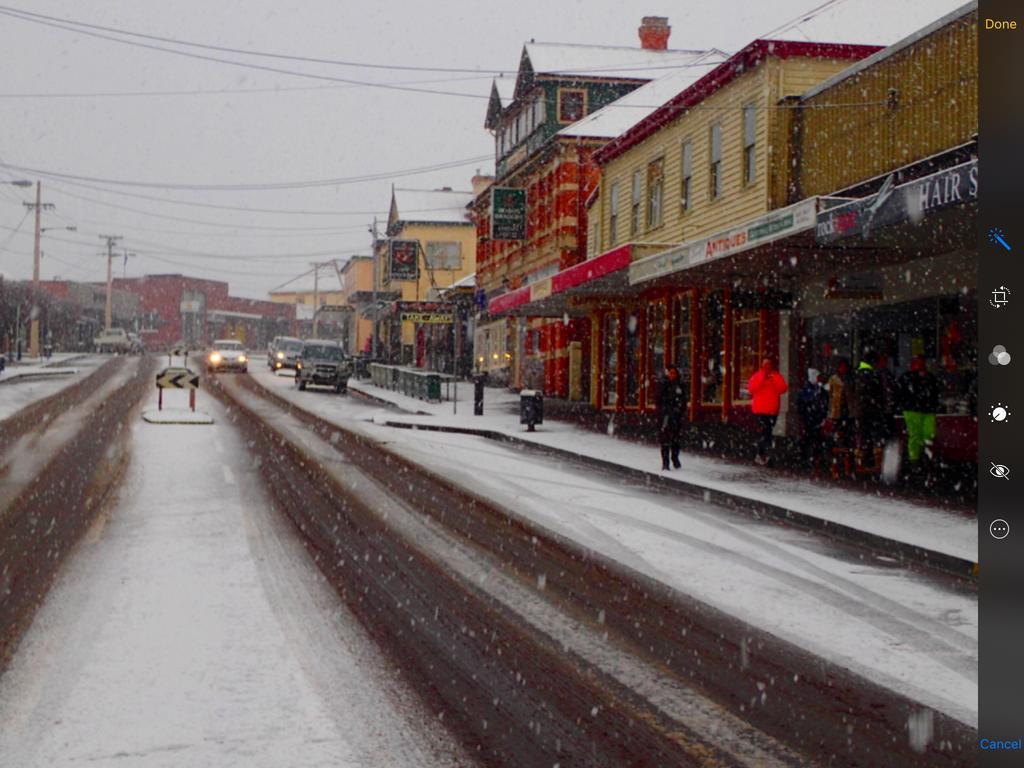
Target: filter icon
{"x": 999, "y": 356}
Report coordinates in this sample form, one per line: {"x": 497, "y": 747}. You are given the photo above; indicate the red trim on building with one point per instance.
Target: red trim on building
{"x": 740, "y": 62}
{"x": 592, "y": 269}
{"x": 509, "y": 301}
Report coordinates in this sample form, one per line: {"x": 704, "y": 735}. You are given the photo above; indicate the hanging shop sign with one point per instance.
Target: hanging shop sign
{"x": 403, "y": 259}
{"x": 508, "y": 213}
{"x": 427, "y": 318}
{"x": 895, "y": 204}
{"x": 799, "y": 217}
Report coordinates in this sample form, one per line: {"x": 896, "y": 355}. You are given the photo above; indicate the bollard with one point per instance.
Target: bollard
{"x": 478, "y": 394}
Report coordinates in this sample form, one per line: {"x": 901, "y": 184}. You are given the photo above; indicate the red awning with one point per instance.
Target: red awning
{"x": 549, "y": 297}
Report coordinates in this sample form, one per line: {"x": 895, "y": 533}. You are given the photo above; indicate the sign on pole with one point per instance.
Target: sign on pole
{"x": 508, "y": 213}
{"x": 403, "y": 260}
{"x": 177, "y": 378}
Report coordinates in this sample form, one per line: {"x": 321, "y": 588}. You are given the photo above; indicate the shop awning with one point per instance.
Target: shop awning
{"x": 778, "y": 225}
{"x": 561, "y": 294}
{"x": 922, "y": 203}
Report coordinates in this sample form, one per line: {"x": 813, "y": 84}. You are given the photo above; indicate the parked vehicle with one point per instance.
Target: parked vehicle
{"x": 282, "y": 352}
{"x": 227, "y": 355}
{"x": 322, "y": 363}
{"x": 113, "y": 340}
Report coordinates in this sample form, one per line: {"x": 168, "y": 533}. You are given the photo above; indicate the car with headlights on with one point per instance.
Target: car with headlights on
{"x": 322, "y": 363}
{"x": 227, "y": 355}
{"x": 282, "y": 353}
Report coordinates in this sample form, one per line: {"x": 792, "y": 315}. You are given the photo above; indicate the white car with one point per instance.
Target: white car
{"x": 227, "y": 355}
{"x": 113, "y": 340}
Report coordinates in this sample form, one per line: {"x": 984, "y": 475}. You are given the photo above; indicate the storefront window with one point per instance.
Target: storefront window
{"x": 610, "y": 360}
{"x": 747, "y": 336}
{"x": 682, "y": 339}
{"x": 712, "y": 372}
{"x": 655, "y": 348}
{"x": 632, "y": 361}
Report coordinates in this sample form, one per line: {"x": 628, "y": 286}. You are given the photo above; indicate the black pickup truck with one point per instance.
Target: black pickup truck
{"x": 322, "y": 363}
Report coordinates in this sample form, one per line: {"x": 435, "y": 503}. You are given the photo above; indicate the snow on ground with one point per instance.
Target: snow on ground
{"x": 191, "y": 628}
{"x": 22, "y": 385}
{"x": 886, "y": 623}
{"x": 912, "y": 522}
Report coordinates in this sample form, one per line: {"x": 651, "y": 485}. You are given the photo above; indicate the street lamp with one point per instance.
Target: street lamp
{"x": 47, "y": 229}
{"x": 18, "y": 183}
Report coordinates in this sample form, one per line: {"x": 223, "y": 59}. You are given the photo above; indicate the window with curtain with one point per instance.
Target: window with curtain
{"x": 632, "y": 361}
{"x": 682, "y": 338}
{"x": 444, "y": 255}
{"x": 655, "y": 191}
{"x": 572, "y": 104}
{"x": 613, "y": 215}
{"x": 634, "y": 203}
{"x": 712, "y": 357}
{"x": 685, "y": 199}
{"x": 749, "y": 143}
{"x": 715, "y": 171}
{"x": 655, "y": 349}
{"x": 610, "y": 359}
{"x": 746, "y": 349}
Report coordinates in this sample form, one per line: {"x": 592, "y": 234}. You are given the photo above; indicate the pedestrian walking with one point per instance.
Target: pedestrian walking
{"x": 840, "y": 389}
{"x": 869, "y": 414}
{"x": 918, "y": 397}
{"x": 812, "y": 403}
{"x": 671, "y": 404}
{"x": 766, "y": 388}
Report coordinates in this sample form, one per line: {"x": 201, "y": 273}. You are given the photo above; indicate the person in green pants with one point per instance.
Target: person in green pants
{"x": 918, "y": 392}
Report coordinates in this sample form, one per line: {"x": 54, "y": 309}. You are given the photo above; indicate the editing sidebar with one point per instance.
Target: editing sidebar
{"x": 1001, "y": 378}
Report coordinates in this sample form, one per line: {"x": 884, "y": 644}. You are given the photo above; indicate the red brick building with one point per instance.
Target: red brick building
{"x": 175, "y": 308}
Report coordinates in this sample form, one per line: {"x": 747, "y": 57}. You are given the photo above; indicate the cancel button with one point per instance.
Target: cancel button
{"x": 1002, "y": 745}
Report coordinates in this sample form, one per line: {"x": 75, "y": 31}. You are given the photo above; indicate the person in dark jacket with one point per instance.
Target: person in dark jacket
{"x": 671, "y": 403}
{"x": 812, "y": 403}
{"x": 918, "y": 398}
{"x": 869, "y": 411}
{"x": 766, "y": 389}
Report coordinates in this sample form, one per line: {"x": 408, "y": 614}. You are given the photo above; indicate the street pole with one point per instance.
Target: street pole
{"x": 109, "y": 315}
{"x": 373, "y": 250}
{"x": 316, "y": 298}
{"x": 37, "y": 206}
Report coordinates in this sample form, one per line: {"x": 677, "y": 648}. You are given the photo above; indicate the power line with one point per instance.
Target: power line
{"x": 340, "y": 181}
{"x": 31, "y": 16}
{"x": 246, "y": 65}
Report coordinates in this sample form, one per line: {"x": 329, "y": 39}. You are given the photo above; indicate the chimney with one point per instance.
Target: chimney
{"x": 654, "y": 32}
{"x": 480, "y": 183}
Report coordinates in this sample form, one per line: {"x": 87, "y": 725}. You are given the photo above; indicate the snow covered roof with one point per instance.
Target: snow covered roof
{"x": 328, "y": 283}
{"x": 505, "y": 87}
{"x": 606, "y": 60}
{"x": 622, "y": 114}
{"x": 433, "y": 206}
{"x": 906, "y": 42}
{"x": 469, "y": 281}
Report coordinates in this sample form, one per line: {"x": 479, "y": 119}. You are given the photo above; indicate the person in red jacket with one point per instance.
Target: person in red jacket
{"x": 766, "y": 388}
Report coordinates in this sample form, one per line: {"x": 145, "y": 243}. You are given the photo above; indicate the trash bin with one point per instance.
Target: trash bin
{"x": 479, "y": 380}
{"x": 531, "y": 408}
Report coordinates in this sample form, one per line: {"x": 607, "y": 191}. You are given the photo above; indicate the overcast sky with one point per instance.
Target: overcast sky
{"x": 294, "y": 129}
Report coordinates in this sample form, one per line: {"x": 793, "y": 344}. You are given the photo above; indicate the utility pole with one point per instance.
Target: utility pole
{"x": 111, "y": 239}
{"x": 316, "y": 298}
{"x": 37, "y": 206}
{"x": 373, "y": 250}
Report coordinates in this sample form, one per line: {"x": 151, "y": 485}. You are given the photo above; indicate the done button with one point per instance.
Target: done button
{"x": 999, "y": 24}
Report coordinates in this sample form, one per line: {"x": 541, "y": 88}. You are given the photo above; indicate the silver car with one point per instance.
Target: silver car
{"x": 283, "y": 353}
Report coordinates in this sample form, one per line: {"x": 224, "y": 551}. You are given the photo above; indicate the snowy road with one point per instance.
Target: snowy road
{"x": 890, "y": 625}
{"x": 191, "y": 628}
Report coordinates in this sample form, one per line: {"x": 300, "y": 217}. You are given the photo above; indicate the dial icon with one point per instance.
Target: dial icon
{"x": 999, "y": 412}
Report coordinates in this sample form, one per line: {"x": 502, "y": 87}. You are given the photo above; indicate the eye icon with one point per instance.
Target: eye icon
{"x": 999, "y": 470}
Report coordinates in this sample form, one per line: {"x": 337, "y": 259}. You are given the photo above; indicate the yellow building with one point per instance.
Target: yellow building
{"x": 430, "y": 244}
{"x": 705, "y": 173}
{"x": 357, "y": 292}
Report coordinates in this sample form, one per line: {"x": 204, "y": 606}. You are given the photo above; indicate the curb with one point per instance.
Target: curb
{"x": 904, "y": 551}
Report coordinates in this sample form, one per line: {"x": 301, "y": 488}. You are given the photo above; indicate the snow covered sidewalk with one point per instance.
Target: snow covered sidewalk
{"x": 917, "y": 525}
